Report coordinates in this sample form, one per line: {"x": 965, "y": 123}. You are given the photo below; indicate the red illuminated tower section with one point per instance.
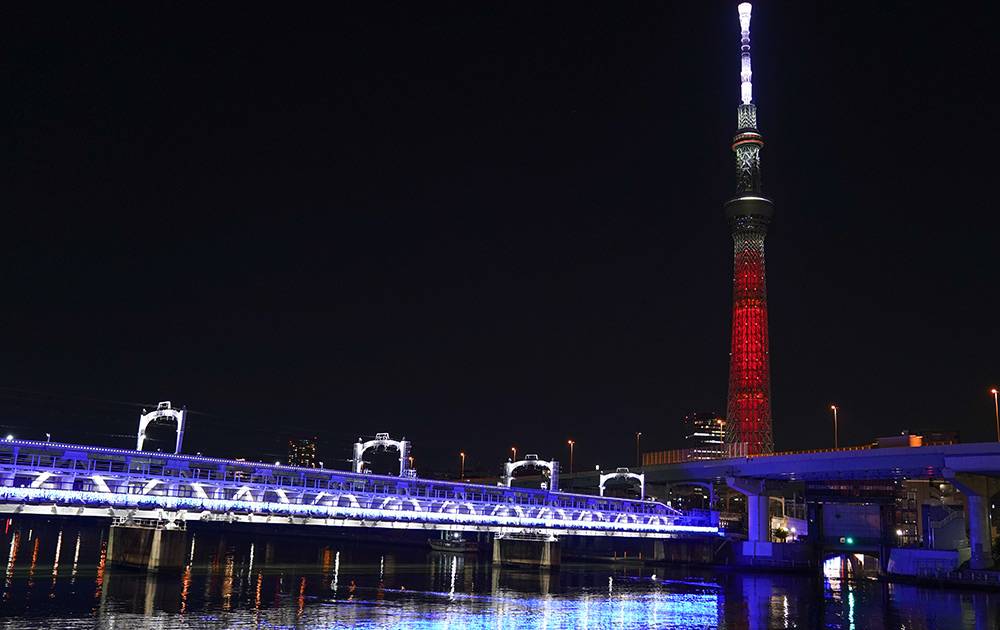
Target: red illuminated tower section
{"x": 748, "y": 413}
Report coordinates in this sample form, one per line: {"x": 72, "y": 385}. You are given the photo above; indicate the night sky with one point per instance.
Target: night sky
{"x": 483, "y": 226}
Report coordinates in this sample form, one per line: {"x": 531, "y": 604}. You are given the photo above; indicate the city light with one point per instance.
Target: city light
{"x": 996, "y": 411}
{"x": 836, "y": 431}
{"x": 10, "y": 438}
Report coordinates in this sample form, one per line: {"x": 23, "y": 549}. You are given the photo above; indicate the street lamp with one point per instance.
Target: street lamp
{"x": 513, "y": 451}
{"x": 461, "y": 475}
{"x": 996, "y": 410}
{"x": 571, "y": 443}
{"x": 836, "y": 433}
{"x": 48, "y": 437}
{"x": 638, "y": 457}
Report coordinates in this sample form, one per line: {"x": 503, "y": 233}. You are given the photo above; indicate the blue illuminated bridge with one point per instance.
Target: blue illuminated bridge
{"x": 53, "y": 479}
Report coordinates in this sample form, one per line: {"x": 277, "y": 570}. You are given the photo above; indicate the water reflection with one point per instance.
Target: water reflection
{"x": 76, "y": 557}
{"x": 244, "y": 580}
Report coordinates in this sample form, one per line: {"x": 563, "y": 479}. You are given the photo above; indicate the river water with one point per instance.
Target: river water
{"x": 55, "y": 577}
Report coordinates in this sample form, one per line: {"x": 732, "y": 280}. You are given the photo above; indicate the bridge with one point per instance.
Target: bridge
{"x": 171, "y": 490}
{"x": 969, "y": 468}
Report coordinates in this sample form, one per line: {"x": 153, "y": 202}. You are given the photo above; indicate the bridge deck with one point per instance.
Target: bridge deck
{"x": 69, "y": 479}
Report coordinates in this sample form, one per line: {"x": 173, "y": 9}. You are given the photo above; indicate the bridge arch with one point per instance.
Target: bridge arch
{"x": 532, "y": 461}
{"x": 543, "y": 512}
{"x": 507, "y": 510}
{"x": 398, "y": 503}
{"x": 345, "y": 500}
{"x": 624, "y": 473}
{"x": 163, "y": 412}
{"x": 382, "y": 440}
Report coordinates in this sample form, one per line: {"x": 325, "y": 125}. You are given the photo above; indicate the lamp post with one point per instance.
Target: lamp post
{"x": 461, "y": 474}
{"x": 513, "y": 451}
{"x": 996, "y": 411}
{"x": 638, "y": 456}
{"x": 571, "y": 443}
{"x": 836, "y": 433}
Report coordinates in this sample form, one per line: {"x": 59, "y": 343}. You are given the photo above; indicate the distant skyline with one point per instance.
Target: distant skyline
{"x": 486, "y": 226}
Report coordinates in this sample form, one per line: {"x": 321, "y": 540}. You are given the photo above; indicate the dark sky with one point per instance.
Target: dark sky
{"x": 482, "y": 225}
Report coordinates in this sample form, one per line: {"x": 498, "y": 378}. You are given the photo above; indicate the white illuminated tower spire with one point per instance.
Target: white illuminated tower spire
{"x": 746, "y": 85}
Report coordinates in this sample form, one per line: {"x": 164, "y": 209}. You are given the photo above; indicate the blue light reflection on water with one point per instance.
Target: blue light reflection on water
{"x": 511, "y": 611}
{"x": 310, "y": 583}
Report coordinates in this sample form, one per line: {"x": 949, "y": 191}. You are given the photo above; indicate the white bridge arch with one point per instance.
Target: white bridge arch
{"x": 623, "y": 473}
{"x": 163, "y": 411}
{"x": 532, "y": 461}
{"x": 382, "y": 440}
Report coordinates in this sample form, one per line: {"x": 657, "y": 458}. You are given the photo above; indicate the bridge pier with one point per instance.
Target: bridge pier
{"x": 758, "y": 514}
{"x": 758, "y": 543}
{"x": 976, "y": 491}
{"x": 540, "y": 551}
{"x": 153, "y": 549}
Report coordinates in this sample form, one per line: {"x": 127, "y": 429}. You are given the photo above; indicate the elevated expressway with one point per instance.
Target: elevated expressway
{"x": 967, "y": 466}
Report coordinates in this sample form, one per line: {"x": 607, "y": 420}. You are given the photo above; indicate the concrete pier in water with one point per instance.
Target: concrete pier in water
{"x": 154, "y": 550}
{"x": 537, "y": 552}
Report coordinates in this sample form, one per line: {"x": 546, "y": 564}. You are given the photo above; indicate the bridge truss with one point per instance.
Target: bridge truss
{"x": 72, "y": 480}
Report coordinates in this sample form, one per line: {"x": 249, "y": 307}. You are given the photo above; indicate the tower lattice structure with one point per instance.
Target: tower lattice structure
{"x": 748, "y": 412}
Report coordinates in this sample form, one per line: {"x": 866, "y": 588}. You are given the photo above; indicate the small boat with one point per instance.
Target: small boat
{"x": 453, "y": 543}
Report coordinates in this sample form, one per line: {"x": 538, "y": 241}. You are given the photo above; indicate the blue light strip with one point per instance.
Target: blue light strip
{"x": 264, "y": 508}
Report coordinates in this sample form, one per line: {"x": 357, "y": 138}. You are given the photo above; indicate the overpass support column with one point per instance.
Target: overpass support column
{"x": 757, "y": 549}
{"x": 976, "y": 492}
{"x": 758, "y": 515}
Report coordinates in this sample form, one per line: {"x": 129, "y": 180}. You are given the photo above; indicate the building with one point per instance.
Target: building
{"x": 748, "y": 412}
{"x": 302, "y": 452}
{"x": 704, "y": 435}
